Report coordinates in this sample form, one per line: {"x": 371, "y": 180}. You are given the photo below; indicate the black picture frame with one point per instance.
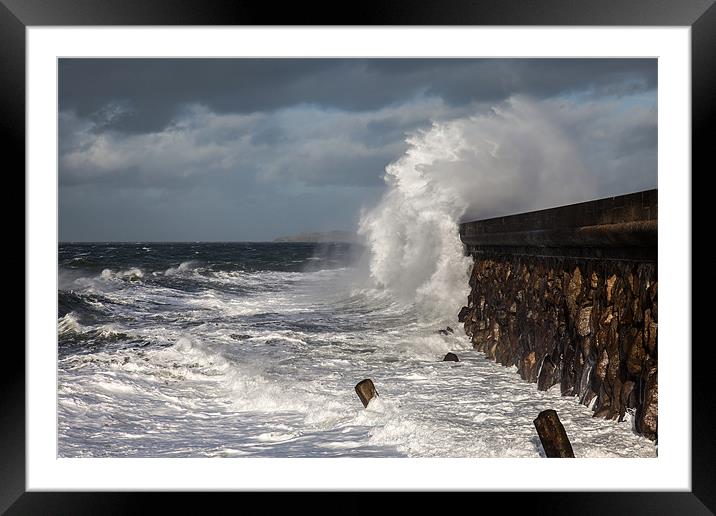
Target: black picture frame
{"x": 17, "y": 15}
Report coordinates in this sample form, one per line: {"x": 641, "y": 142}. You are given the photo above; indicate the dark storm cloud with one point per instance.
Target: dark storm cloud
{"x": 153, "y": 90}
{"x": 225, "y": 149}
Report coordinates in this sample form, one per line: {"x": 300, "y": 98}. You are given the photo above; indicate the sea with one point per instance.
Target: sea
{"x": 254, "y": 350}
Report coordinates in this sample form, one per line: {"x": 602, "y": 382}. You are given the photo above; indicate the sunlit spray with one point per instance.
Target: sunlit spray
{"x": 516, "y": 155}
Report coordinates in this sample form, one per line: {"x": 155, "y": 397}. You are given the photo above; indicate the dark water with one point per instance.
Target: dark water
{"x": 247, "y": 257}
{"x": 88, "y": 272}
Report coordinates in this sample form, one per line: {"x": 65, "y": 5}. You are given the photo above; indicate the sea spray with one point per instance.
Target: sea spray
{"x": 516, "y": 156}
{"x": 412, "y": 235}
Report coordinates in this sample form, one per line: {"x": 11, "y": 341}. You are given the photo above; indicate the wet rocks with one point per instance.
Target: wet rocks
{"x": 451, "y": 357}
{"x": 647, "y": 413}
{"x": 589, "y": 325}
{"x": 528, "y": 367}
{"x": 366, "y": 391}
{"x": 636, "y": 356}
{"x": 573, "y": 289}
{"x": 548, "y": 374}
{"x": 584, "y": 324}
{"x": 552, "y": 435}
{"x": 610, "y": 285}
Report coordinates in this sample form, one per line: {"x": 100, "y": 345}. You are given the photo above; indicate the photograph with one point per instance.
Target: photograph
{"x": 396, "y": 249}
{"x": 387, "y": 257}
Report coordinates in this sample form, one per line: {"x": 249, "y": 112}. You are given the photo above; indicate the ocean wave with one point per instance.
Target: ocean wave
{"x": 132, "y": 274}
{"x": 414, "y": 246}
{"x": 182, "y": 268}
{"x": 69, "y": 324}
{"x": 81, "y": 302}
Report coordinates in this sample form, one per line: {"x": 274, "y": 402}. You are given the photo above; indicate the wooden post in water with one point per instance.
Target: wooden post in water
{"x": 552, "y": 434}
{"x": 366, "y": 391}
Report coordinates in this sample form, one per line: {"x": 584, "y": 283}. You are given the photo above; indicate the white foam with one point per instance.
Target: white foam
{"x": 272, "y": 373}
{"x": 415, "y": 249}
{"x": 182, "y": 268}
{"x": 68, "y": 323}
{"x": 131, "y": 274}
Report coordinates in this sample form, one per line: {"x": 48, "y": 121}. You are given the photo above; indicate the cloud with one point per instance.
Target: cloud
{"x": 302, "y": 145}
{"x": 252, "y": 149}
{"x": 244, "y": 176}
{"x": 155, "y": 89}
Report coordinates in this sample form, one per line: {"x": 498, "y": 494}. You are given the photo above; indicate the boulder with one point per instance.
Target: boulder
{"x": 574, "y": 288}
{"x": 451, "y": 357}
{"x": 610, "y": 286}
{"x": 647, "y": 414}
{"x": 636, "y": 356}
{"x": 529, "y": 366}
{"x": 446, "y": 331}
{"x": 547, "y": 374}
{"x": 584, "y": 321}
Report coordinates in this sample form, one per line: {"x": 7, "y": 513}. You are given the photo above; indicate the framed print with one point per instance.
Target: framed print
{"x": 414, "y": 249}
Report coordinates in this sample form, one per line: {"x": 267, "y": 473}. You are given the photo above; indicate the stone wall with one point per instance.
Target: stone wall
{"x": 588, "y": 325}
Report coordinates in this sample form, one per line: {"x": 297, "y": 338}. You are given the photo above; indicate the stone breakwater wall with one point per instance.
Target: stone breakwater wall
{"x": 564, "y": 318}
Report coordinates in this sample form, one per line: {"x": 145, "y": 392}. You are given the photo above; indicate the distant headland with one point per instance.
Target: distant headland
{"x": 321, "y": 236}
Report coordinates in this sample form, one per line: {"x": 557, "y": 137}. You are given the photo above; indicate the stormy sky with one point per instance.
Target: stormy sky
{"x": 253, "y": 149}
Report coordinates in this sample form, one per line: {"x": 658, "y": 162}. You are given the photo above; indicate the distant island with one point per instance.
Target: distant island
{"x": 321, "y": 236}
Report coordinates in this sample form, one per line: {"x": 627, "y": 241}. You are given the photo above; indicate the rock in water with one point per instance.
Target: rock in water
{"x": 548, "y": 374}
{"x": 451, "y": 357}
{"x": 464, "y": 312}
{"x": 366, "y": 391}
{"x": 449, "y": 330}
{"x": 443, "y": 332}
{"x": 552, "y": 434}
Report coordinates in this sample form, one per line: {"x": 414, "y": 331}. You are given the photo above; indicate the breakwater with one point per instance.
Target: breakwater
{"x": 568, "y": 295}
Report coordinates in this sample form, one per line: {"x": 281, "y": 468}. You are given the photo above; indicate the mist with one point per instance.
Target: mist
{"x": 522, "y": 154}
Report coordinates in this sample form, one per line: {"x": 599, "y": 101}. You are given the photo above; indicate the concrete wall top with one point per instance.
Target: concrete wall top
{"x": 624, "y": 226}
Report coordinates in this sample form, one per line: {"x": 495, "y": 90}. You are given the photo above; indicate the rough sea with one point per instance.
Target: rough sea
{"x": 254, "y": 349}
